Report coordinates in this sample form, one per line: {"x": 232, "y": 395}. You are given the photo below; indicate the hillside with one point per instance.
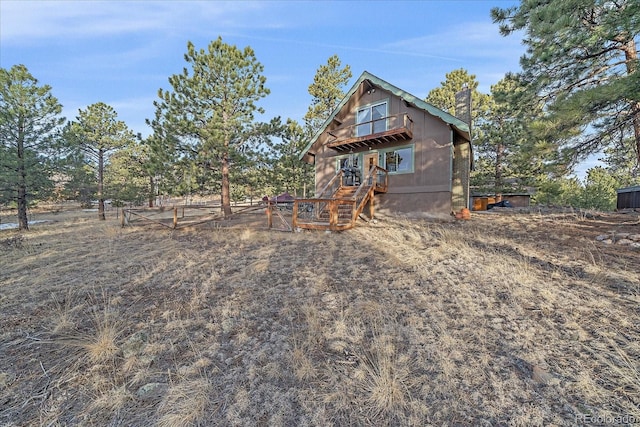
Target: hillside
{"x": 506, "y": 319}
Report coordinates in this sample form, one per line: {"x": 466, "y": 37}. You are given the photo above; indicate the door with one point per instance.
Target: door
{"x": 370, "y": 159}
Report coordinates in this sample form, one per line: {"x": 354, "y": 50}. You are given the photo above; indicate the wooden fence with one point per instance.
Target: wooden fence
{"x": 178, "y": 217}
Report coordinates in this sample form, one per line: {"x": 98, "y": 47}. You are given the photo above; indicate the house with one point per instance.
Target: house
{"x": 423, "y": 152}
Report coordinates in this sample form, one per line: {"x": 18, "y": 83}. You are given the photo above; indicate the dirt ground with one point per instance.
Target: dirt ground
{"x": 506, "y": 319}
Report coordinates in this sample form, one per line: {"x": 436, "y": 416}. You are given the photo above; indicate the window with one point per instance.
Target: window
{"x": 399, "y": 160}
{"x": 353, "y": 160}
{"x": 371, "y": 119}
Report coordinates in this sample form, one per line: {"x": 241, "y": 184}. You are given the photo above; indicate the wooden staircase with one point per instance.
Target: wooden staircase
{"x": 338, "y": 206}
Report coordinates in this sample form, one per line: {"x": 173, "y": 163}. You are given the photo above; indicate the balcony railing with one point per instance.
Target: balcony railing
{"x": 398, "y": 127}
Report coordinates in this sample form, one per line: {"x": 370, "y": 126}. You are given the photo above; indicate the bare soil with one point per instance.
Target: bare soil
{"x": 505, "y": 319}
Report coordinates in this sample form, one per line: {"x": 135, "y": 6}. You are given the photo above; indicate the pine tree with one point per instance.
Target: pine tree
{"x": 444, "y": 97}
{"x": 98, "y": 133}
{"x": 126, "y": 177}
{"x": 287, "y": 171}
{"x": 581, "y": 65}
{"x": 507, "y": 158}
{"x": 29, "y": 121}
{"x": 210, "y": 110}
{"x": 326, "y": 91}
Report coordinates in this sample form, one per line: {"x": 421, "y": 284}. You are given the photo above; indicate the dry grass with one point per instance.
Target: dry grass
{"x": 501, "y": 320}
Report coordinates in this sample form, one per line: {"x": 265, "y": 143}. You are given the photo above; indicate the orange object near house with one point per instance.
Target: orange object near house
{"x": 465, "y": 213}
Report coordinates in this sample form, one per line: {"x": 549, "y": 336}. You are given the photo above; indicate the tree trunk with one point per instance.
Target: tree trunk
{"x": 23, "y": 222}
{"x": 631, "y": 57}
{"x": 152, "y": 194}
{"x": 101, "y": 215}
{"x": 498, "y": 184}
{"x": 225, "y": 197}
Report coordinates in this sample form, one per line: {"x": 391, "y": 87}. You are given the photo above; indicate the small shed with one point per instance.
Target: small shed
{"x": 628, "y": 198}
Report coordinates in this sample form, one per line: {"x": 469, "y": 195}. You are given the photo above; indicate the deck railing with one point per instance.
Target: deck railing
{"x": 371, "y": 127}
{"x": 338, "y": 214}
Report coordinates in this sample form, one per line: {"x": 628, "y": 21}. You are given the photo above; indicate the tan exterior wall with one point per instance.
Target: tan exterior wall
{"x": 428, "y": 188}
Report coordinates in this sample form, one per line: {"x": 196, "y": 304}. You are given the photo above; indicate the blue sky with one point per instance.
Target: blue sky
{"x": 122, "y": 52}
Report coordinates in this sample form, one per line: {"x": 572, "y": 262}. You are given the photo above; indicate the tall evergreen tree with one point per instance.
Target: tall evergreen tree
{"x": 287, "y": 171}
{"x": 211, "y": 108}
{"x": 126, "y": 177}
{"x": 582, "y": 66}
{"x": 98, "y": 133}
{"x": 499, "y": 142}
{"x": 326, "y": 91}
{"x": 29, "y": 120}
{"x": 444, "y": 97}
{"x": 509, "y": 157}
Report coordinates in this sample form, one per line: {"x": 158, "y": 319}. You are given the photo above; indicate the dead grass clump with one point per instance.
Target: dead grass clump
{"x": 385, "y": 377}
{"x": 63, "y": 312}
{"x": 186, "y": 403}
{"x": 619, "y": 373}
{"x": 102, "y": 345}
{"x": 111, "y": 400}
{"x": 99, "y": 341}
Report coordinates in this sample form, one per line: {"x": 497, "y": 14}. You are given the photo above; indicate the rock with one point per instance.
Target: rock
{"x": 152, "y": 391}
{"x": 602, "y": 237}
{"x": 621, "y": 236}
{"x": 635, "y": 245}
{"x": 541, "y": 376}
{"x": 634, "y": 237}
{"x": 607, "y": 241}
{"x": 624, "y": 242}
{"x": 6, "y": 379}
{"x": 134, "y": 345}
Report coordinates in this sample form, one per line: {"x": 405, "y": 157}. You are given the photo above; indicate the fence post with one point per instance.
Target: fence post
{"x": 269, "y": 216}
{"x": 333, "y": 215}
{"x": 294, "y": 218}
{"x": 371, "y": 205}
{"x": 175, "y": 217}
{"x": 122, "y": 219}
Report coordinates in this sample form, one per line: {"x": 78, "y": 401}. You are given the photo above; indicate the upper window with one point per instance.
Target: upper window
{"x": 371, "y": 119}
{"x": 398, "y": 160}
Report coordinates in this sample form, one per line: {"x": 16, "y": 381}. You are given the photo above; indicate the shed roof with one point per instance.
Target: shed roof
{"x": 629, "y": 189}
{"x": 460, "y": 126}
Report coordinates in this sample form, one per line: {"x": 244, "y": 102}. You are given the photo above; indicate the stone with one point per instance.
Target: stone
{"x": 607, "y": 241}
{"x": 6, "y": 379}
{"x": 635, "y": 245}
{"x": 152, "y": 391}
{"x": 541, "y": 376}
{"x": 620, "y": 236}
{"x": 624, "y": 242}
{"x": 602, "y": 237}
{"x": 134, "y": 345}
{"x": 634, "y": 237}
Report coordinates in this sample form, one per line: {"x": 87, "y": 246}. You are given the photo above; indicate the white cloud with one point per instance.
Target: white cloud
{"x": 465, "y": 41}
{"x": 29, "y": 20}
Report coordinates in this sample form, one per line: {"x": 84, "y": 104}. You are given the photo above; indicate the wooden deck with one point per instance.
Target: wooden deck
{"x": 338, "y": 206}
{"x": 397, "y": 127}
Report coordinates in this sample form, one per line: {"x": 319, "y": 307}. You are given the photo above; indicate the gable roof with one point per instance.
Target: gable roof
{"x": 457, "y": 124}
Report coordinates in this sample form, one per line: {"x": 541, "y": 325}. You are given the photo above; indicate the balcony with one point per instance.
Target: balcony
{"x": 394, "y": 128}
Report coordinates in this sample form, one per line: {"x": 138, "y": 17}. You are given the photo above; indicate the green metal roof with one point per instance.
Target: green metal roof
{"x": 458, "y": 124}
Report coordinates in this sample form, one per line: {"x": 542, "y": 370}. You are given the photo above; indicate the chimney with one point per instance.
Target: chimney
{"x": 463, "y": 105}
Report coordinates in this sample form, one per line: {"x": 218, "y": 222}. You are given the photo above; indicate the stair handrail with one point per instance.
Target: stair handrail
{"x": 364, "y": 184}
{"x": 331, "y": 182}
{"x": 369, "y": 185}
